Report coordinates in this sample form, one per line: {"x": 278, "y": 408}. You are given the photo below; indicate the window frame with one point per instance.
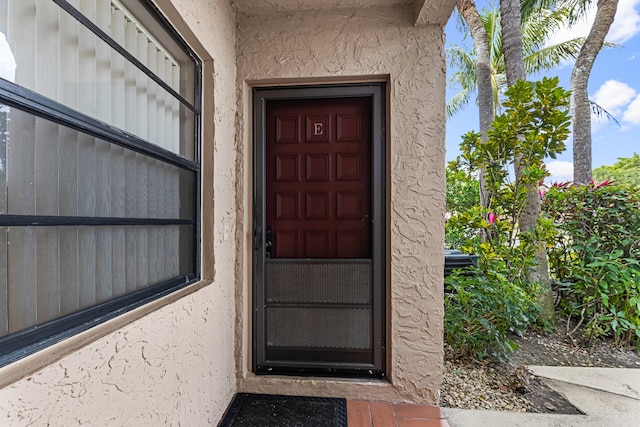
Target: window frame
{"x": 20, "y": 344}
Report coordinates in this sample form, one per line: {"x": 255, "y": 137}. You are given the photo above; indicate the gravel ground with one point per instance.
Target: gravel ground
{"x": 472, "y": 385}
{"x": 509, "y": 386}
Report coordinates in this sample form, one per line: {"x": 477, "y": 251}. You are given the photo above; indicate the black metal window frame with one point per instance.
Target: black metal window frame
{"x": 20, "y": 344}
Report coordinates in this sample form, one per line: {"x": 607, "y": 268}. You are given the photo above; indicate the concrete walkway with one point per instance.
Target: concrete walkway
{"x": 607, "y": 396}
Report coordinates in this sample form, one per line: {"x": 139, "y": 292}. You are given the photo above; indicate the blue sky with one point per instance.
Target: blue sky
{"x": 614, "y": 84}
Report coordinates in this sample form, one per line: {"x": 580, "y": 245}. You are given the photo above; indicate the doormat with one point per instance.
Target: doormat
{"x": 268, "y": 410}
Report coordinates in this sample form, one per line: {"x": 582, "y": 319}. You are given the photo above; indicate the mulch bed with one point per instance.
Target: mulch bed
{"x": 510, "y": 386}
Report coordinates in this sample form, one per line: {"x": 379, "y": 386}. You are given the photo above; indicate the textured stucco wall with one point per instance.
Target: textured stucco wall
{"x": 175, "y": 365}
{"x": 349, "y": 45}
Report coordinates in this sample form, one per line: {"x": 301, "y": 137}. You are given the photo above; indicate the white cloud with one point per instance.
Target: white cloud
{"x": 632, "y": 113}
{"x": 560, "y": 171}
{"x": 621, "y": 101}
{"x": 627, "y": 22}
{"x": 613, "y": 96}
{"x": 625, "y": 25}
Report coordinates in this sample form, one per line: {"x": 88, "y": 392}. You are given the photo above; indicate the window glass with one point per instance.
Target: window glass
{"x": 58, "y": 57}
{"x": 56, "y": 170}
{"x": 48, "y": 272}
{"x": 91, "y": 217}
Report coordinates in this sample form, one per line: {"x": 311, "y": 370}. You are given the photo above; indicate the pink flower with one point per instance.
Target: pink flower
{"x": 492, "y": 218}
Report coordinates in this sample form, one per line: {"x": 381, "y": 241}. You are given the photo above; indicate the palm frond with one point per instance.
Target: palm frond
{"x": 533, "y": 7}
{"x": 491, "y": 20}
{"x": 550, "y": 57}
{"x": 458, "y": 102}
{"x": 577, "y": 9}
{"x": 461, "y": 24}
{"x": 600, "y": 112}
{"x": 460, "y": 59}
{"x": 464, "y": 81}
{"x": 498, "y": 85}
{"x": 540, "y": 20}
{"x": 537, "y": 29}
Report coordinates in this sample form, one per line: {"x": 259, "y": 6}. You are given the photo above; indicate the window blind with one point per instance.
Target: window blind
{"x": 62, "y": 59}
{"x": 50, "y": 169}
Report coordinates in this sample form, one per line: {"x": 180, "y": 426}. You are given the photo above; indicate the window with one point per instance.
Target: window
{"x": 99, "y": 165}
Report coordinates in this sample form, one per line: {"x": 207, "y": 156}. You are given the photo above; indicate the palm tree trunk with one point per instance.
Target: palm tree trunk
{"x": 514, "y": 65}
{"x": 580, "y": 97}
{"x": 469, "y": 12}
{"x": 512, "y": 41}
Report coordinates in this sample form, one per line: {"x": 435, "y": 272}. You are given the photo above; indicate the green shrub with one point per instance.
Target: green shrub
{"x": 625, "y": 171}
{"x": 463, "y": 194}
{"x": 595, "y": 257}
{"x": 481, "y": 310}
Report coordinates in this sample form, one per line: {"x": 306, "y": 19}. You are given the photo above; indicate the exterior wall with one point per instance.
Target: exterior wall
{"x": 364, "y": 45}
{"x": 169, "y": 362}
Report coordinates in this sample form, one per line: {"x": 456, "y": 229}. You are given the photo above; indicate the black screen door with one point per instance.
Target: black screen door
{"x": 318, "y": 244}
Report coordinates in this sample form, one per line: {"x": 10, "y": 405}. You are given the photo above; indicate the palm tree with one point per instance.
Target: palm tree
{"x": 481, "y": 73}
{"x": 512, "y": 44}
{"x": 581, "y": 106}
{"x": 536, "y": 29}
{"x": 579, "y": 96}
{"x": 486, "y": 102}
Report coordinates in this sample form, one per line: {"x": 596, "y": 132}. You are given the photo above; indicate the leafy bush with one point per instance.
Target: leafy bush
{"x": 625, "y": 171}
{"x": 463, "y": 194}
{"x": 595, "y": 257}
{"x": 480, "y": 311}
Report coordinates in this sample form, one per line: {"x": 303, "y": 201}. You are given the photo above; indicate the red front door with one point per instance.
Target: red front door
{"x": 319, "y": 230}
{"x": 318, "y": 178}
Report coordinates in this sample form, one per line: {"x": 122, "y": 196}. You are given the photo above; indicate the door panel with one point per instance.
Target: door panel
{"x": 318, "y": 178}
{"x": 320, "y": 305}
{"x": 319, "y": 260}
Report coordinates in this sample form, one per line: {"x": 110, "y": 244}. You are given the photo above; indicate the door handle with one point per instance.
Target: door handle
{"x": 268, "y": 244}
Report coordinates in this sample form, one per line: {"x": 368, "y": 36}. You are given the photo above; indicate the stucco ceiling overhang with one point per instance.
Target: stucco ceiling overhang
{"x": 425, "y": 11}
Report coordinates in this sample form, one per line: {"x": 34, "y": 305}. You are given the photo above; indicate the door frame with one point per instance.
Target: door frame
{"x": 377, "y": 93}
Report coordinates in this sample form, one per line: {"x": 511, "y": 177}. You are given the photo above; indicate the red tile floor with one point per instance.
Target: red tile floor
{"x": 362, "y": 413}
